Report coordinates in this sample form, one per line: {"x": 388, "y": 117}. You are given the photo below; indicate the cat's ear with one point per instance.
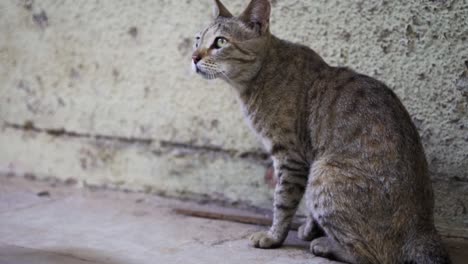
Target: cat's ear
{"x": 257, "y": 15}
{"x": 219, "y": 10}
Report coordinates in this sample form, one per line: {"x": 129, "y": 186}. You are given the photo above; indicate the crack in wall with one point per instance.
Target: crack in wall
{"x": 29, "y": 126}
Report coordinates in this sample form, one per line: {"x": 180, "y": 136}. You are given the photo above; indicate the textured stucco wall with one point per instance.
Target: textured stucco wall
{"x": 101, "y": 93}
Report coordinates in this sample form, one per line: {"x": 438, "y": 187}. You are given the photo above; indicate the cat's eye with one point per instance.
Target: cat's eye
{"x": 220, "y": 42}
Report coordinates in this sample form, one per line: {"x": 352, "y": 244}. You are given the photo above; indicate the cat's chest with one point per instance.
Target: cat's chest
{"x": 262, "y": 124}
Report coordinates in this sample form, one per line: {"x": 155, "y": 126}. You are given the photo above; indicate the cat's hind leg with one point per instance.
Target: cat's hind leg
{"x": 337, "y": 200}
{"x": 309, "y": 230}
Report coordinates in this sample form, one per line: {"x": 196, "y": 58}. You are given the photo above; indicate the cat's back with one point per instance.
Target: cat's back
{"x": 355, "y": 107}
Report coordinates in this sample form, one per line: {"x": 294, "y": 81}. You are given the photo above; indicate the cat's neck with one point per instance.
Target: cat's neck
{"x": 278, "y": 59}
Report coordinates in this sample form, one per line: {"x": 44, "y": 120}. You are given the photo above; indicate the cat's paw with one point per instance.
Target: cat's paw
{"x": 264, "y": 240}
{"x": 328, "y": 248}
{"x": 321, "y": 247}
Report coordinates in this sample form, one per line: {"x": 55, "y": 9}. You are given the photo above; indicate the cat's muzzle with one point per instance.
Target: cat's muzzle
{"x": 204, "y": 74}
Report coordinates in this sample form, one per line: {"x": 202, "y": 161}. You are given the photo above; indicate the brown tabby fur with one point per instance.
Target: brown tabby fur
{"x": 342, "y": 138}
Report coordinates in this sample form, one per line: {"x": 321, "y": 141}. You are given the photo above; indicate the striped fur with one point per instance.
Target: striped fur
{"x": 342, "y": 138}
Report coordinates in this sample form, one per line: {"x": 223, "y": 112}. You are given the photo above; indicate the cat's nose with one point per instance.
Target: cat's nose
{"x": 196, "y": 58}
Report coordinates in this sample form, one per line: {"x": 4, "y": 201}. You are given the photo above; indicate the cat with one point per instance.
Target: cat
{"x": 341, "y": 138}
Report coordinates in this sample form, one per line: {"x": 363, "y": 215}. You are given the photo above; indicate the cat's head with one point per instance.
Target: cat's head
{"x": 232, "y": 47}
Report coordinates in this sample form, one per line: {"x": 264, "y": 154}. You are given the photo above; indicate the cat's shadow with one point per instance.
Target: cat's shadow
{"x": 21, "y": 255}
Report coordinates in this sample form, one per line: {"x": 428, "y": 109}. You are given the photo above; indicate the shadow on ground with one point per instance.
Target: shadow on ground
{"x": 20, "y": 255}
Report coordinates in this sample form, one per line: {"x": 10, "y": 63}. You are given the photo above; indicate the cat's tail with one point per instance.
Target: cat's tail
{"x": 427, "y": 249}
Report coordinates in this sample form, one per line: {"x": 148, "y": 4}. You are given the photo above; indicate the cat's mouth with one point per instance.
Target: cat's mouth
{"x": 206, "y": 75}
{"x": 206, "y": 71}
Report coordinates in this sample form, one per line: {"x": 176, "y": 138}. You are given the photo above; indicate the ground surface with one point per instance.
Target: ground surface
{"x": 45, "y": 224}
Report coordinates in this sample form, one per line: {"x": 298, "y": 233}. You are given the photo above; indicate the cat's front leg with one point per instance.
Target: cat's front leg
{"x": 290, "y": 187}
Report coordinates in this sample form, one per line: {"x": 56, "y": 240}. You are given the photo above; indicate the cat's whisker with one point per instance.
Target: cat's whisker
{"x": 225, "y": 75}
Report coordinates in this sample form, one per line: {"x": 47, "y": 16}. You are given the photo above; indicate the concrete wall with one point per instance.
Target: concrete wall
{"x": 100, "y": 92}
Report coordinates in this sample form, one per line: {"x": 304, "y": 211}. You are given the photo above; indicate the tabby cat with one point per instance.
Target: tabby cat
{"x": 342, "y": 138}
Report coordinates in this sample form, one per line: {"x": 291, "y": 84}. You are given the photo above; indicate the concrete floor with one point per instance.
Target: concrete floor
{"x": 43, "y": 223}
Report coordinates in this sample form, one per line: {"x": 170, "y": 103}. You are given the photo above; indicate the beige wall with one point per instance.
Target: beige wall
{"x": 100, "y": 92}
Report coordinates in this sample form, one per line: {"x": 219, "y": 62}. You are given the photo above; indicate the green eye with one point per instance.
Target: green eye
{"x": 220, "y": 42}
